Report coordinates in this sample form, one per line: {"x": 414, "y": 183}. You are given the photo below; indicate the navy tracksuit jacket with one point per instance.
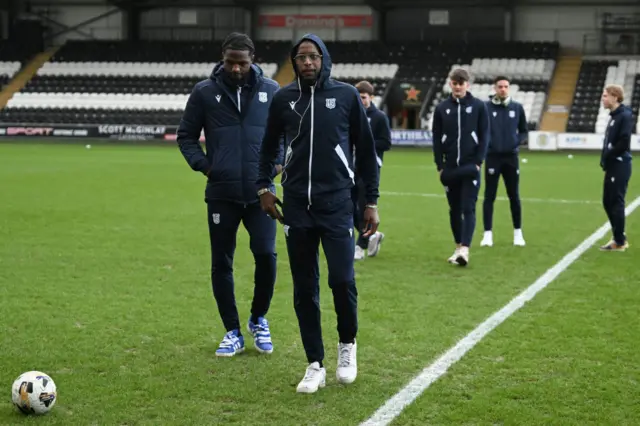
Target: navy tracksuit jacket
{"x": 461, "y": 135}
{"x": 615, "y": 160}
{"x": 381, "y": 130}
{"x": 321, "y": 124}
{"x": 234, "y": 119}
{"x": 509, "y": 130}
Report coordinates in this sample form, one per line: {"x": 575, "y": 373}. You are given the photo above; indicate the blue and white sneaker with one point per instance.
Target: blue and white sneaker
{"x": 261, "y": 335}
{"x": 231, "y": 344}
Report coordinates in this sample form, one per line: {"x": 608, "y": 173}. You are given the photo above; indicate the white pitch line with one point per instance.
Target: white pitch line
{"x": 397, "y": 403}
{"x": 525, "y": 200}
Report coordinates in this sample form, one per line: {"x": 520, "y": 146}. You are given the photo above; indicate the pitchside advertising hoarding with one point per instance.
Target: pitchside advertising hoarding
{"x": 168, "y": 133}
{"x": 538, "y": 141}
{"x": 550, "y": 141}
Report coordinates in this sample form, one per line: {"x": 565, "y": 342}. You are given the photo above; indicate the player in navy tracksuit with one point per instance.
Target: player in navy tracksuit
{"x": 508, "y": 130}
{"x": 232, "y": 106}
{"x": 323, "y": 121}
{"x": 615, "y": 160}
{"x": 460, "y": 138}
{"x": 381, "y": 130}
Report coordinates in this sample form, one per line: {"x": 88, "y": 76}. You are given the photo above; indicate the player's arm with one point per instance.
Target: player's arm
{"x": 436, "y": 135}
{"x": 188, "y": 134}
{"x": 361, "y": 138}
{"x": 523, "y": 127}
{"x": 484, "y": 134}
{"x": 623, "y": 141}
{"x": 271, "y": 151}
{"x": 382, "y": 132}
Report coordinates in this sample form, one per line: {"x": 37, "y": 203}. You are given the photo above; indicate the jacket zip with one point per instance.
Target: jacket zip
{"x": 311, "y": 146}
{"x": 459, "y": 133}
{"x": 241, "y": 156}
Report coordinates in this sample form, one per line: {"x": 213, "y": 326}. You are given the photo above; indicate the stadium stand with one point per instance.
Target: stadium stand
{"x": 144, "y": 83}
{"x": 357, "y": 60}
{"x": 587, "y": 114}
{"x": 11, "y": 59}
{"x": 529, "y": 65}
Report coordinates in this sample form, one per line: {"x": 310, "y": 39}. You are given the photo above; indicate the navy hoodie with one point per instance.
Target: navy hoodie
{"x": 381, "y": 131}
{"x": 234, "y": 120}
{"x": 322, "y": 125}
{"x": 461, "y": 132}
{"x": 509, "y": 127}
{"x": 616, "y": 146}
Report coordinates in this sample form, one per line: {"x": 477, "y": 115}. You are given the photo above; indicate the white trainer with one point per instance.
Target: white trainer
{"x": 454, "y": 256}
{"x": 315, "y": 377}
{"x": 487, "y": 239}
{"x": 374, "y": 244}
{"x": 347, "y": 365}
{"x": 359, "y": 253}
{"x": 518, "y": 239}
{"x": 463, "y": 256}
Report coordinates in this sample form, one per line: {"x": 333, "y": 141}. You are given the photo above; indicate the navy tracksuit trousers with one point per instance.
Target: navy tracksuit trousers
{"x": 224, "y": 221}
{"x": 616, "y": 181}
{"x": 462, "y": 185}
{"x": 507, "y": 166}
{"x": 329, "y": 220}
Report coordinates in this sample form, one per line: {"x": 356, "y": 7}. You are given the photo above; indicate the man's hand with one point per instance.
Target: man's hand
{"x": 269, "y": 203}
{"x": 278, "y": 169}
{"x": 371, "y": 220}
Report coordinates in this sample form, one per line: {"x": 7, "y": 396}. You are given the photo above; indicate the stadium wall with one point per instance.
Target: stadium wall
{"x": 538, "y": 141}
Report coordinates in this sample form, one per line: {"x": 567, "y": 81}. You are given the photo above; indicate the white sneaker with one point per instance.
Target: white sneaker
{"x": 463, "y": 256}
{"x": 315, "y": 377}
{"x": 487, "y": 239}
{"x": 347, "y": 366}
{"x": 374, "y": 243}
{"x": 454, "y": 256}
{"x": 518, "y": 239}
{"x": 359, "y": 253}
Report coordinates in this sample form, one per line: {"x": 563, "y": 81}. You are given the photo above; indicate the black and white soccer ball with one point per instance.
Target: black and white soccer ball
{"x": 34, "y": 392}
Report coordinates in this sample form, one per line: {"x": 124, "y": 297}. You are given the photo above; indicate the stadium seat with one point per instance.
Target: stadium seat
{"x": 529, "y": 70}
{"x": 112, "y": 82}
{"x": 7, "y": 70}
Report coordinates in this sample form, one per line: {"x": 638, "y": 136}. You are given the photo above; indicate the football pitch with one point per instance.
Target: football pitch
{"x": 105, "y": 285}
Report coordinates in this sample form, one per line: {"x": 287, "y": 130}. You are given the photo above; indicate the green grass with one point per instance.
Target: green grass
{"x": 104, "y": 284}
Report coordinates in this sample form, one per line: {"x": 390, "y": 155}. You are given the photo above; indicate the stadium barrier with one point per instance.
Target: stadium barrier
{"x": 538, "y": 140}
{"x": 551, "y": 141}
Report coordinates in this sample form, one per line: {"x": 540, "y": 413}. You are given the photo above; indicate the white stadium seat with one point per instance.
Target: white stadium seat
{"x": 623, "y": 74}
{"x": 143, "y": 69}
{"x": 516, "y": 69}
{"x": 9, "y": 69}
{"x": 98, "y": 100}
{"x": 364, "y": 71}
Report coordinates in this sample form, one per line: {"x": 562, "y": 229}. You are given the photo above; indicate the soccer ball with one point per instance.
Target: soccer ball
{"x": 34, "y": 392}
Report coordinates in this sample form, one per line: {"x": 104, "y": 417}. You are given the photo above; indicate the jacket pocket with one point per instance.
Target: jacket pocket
{"x": 474, "y": 136}
{"x": 343, "y": 159}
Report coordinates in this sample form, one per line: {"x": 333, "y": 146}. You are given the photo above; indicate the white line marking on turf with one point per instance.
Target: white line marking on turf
{"x": 530, "y": 200}
{"x": 525, "y": 200}
{"x": 397, "y": 403}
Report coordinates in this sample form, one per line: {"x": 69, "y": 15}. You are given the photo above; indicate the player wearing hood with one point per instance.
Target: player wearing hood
{"x": 322, "y": 120}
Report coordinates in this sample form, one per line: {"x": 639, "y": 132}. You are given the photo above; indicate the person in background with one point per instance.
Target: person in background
{"x": 460, "y": 138}
{"x": 381, "y": 129}
{"x": 615, "y": 160}
{"x": 508, "y": 131}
